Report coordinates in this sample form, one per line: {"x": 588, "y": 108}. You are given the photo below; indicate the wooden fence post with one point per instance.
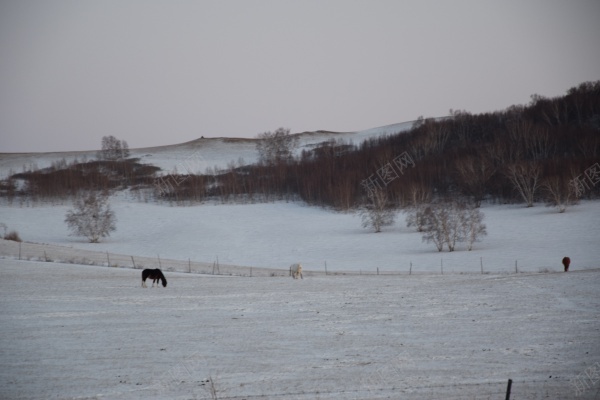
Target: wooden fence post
{"x": 410, "y": 270}
{"x": 481, "y": 262}
{"x": 107, "y": 259}
{"x": 508, "y": 389}
{"x": 159, "y": 266}
{"x": 133, "y": 261}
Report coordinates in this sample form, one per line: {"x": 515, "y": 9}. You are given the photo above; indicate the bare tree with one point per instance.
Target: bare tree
{"x": 419, "y": 194}
{"x": 472, "y": 226}
{"x": 453, "y": 223}
{"x": 124, "y": 149}
{"x": 525, "y": 177}
{"x": 416, "y": 217}
{"x": 474, "y": 173}
{"x": 113, "y": 148}
{"x": 432, "y": 140}
{"x": 434, "y": 226}
{"x": 377, "y": 214}
{"x": 558, "y": 192}
{"x": 91, "y": 217}
{"x": 276, "y": 147}
{"x": 540, "y": 143}
{"x": 447, "y": 223}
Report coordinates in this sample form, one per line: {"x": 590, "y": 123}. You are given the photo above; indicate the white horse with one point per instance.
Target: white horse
{"x": 295, "y": 270}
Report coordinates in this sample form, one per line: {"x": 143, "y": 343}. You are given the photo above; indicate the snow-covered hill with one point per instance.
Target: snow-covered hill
{"x": 195, "y": 156}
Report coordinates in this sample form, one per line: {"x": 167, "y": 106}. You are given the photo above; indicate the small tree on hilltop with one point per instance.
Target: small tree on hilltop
{"x": 91, "y": 217}
{"x": 113, "y": 148}
{"x": 276, "y": 147}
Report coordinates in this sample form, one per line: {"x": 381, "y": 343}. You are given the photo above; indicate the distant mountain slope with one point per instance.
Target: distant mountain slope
{"x": 196, "y": 155}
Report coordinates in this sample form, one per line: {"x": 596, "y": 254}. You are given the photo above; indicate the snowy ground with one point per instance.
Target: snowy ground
{"x": 85, "y": 332}
{"x": 275, "y": 235}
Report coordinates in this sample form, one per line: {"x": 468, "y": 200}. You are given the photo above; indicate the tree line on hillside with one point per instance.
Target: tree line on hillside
{"x": 113, "y": 170}
{"x": 548, "y": 150}
{"x": 66, "y": 180}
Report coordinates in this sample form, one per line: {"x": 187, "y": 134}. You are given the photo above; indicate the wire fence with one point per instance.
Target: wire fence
{"x": 69, "y": 255}
{"x": 60, "y": 254}
{"x": 518, "y": 390}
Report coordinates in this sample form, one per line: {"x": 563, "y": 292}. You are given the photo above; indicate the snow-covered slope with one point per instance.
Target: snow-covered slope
{"x": 194, "y": 156}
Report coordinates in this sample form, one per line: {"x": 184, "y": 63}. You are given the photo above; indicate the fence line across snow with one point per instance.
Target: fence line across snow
{"x": 69, "y": 255}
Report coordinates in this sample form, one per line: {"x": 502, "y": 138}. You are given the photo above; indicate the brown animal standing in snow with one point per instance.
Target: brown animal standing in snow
{"x": 566, "y": 261}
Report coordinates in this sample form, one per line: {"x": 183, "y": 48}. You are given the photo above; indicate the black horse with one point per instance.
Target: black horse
{"x": 155, "y": 275}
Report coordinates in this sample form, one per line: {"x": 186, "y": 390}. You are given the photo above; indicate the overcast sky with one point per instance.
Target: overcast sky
{"x": 165, "y": 72}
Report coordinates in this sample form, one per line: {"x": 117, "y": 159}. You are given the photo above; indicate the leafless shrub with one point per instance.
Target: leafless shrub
{"x": 377, "y": 213}
{"x": 557, "y": 192}
{"x": 472, "y": 225}
{"x": 13, "y": 235}
{"x": 433, "y": 226}
{"x": 417, "y": 217}
{"x": 91, "y": 217}
{"x": 447, "y": 223}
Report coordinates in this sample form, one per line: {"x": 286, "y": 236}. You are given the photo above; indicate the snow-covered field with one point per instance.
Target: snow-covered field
{"x": 275, "y": 235}
{"x": 85, "y": 332}
{"x": 75, "y": 331}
